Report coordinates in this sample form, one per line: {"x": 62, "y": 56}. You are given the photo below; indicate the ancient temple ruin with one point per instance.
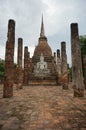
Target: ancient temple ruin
{"x": 44, "y": 67}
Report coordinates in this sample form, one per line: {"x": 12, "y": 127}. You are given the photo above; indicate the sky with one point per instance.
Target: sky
{"x": 57, "y": 14}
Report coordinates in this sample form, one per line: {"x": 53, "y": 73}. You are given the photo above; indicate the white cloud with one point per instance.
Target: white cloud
{"x": 58, "y": 15}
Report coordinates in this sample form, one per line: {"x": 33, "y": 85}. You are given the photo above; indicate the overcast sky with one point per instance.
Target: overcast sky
{"x": 58, "y": 15}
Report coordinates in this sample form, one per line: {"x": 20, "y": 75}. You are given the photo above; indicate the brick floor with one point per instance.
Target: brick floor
{"x": 42, "y": 108}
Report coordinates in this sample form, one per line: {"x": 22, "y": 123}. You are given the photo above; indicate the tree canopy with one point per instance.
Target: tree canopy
{"x": 2, "y": 68}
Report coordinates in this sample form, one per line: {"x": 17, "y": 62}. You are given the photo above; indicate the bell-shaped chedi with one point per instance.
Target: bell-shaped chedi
{"x": 42, "y": 46}
{"x": 42, "y": 63}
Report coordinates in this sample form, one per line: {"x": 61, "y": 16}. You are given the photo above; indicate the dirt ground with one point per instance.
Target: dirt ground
{"x": 42, "y": 108}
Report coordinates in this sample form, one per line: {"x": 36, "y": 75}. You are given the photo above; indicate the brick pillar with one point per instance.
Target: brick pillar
{"x": 68, "y": 72}
{"x": 59, "y": 66}
{"x": 9, "y": 61}
{"x": 76, "y": 62}
{"x": 19, "y": 62}
{"x": 54, "y": 57}
{"x": 26, "y": 57}
{"x": 58, "y": 62}
{"x": 84, "y": 66}
{"x": 64, "y": 68}
{"x": 58, "y": 53}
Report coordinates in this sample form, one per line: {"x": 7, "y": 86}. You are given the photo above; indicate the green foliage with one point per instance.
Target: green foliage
{"x": 83, "y": 49}
{"x": 83, "y": 45}
{"x": 2, "y": 68}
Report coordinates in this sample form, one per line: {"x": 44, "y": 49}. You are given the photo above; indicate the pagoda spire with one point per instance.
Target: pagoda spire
{"x": 42, "y": 33}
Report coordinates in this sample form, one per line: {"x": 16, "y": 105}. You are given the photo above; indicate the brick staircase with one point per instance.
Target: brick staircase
{"x": 43, "y": 80}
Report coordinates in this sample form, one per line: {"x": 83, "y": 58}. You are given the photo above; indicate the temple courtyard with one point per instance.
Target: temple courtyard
{"x": 42, "y": 108}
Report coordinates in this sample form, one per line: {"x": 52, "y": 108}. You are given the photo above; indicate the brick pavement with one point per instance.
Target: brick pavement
{"x": 42, "y": 108}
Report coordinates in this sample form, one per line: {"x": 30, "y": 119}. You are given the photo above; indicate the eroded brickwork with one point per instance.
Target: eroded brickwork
{"x": 64, "y": 58}
{"x": 64, "y": 68}
{"x": 58, "y": 53}
{"x": 84, "y": 66}
{"x": 59, "y": 66}
{"x": 19, "y": 62}
{"x": 58, "y": 62}
{"x": 9, "y": 61}
{"x": 76, "y": 62}
{"x": 26, "y": 70}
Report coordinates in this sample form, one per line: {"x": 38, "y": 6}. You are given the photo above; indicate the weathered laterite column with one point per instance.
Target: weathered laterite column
{"x": 19, "y": 62}
{"x": 58, "y": 53}
{"x": 26, "y": 57}
{"x": 68, "y": 73}
{"x": 54, "y": 57}
{"x": 59, "y": 66}
{"x": 84, "y": 65}
{"x": 9, "y": 61}
{"x": 64, "y": 68}
{"x": 78, "y": 84}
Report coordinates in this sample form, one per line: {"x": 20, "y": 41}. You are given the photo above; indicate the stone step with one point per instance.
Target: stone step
{"x": 42, "y": 82}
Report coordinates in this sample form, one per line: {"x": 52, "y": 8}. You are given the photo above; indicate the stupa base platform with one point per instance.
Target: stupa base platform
{"x": 42, "y": 80}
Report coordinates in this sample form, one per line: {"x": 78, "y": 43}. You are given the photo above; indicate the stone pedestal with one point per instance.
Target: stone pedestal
{"x": 78, "y": 92}
{"x": 65, "y": 86}
{"x": 77, "y": 77}
{"x": 9, "y": 61}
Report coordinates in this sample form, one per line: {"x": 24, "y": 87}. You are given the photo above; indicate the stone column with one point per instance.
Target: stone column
{"x": 26, "y": 57}
{"x": 76, "y": 62}
{"x": 54, "y": 57}
{"x": 58, "y": 53}
{"x": 84, "y": 66}
{"x": 68, "y": 72}
{"x": 64, "y": 68}
{"x": 19, "y": 62}
{"x": 9, "y": 61}
{"x": 59, "y": 66}
{"x": 58, "y": 62}
{"x": 64, "y": 57}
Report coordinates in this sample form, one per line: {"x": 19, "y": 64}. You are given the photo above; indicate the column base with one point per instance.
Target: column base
{"x": 19, "y": 86}
{"x": 8, "y": 90}
{"x": 78, "y": 93}
{"x": 65, "y": 86}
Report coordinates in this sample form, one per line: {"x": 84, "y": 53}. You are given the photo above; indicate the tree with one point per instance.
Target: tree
{"x": 83, "y": 45}
{"x": 2, "y": 68}
{"x": 83, "y": 54}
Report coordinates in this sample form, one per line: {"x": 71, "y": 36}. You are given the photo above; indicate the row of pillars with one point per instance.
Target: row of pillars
{"x": 22, "y": 76}
{"x": 9, "y": 61}
{"x": 62, "y": 67}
